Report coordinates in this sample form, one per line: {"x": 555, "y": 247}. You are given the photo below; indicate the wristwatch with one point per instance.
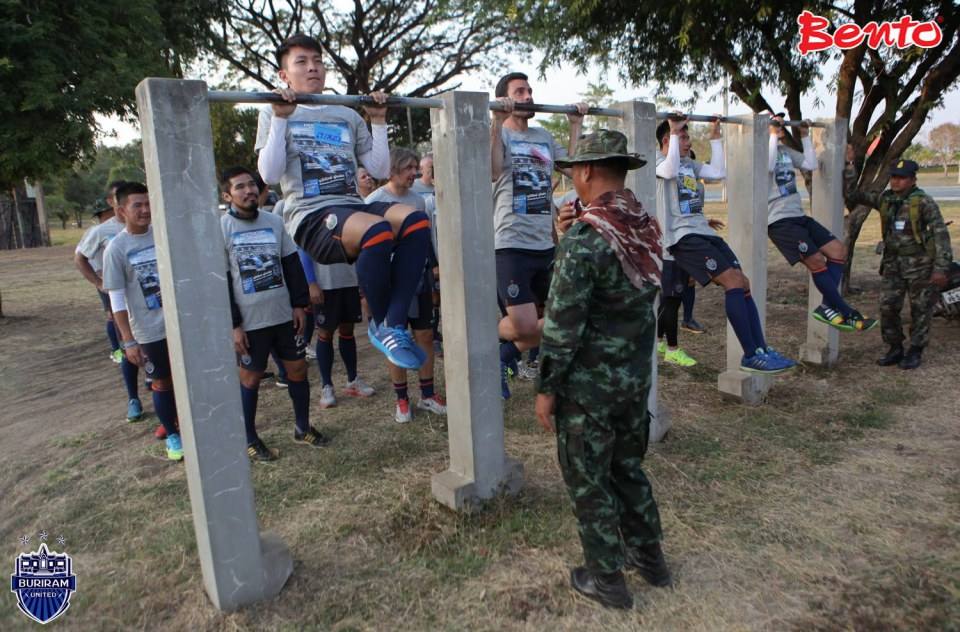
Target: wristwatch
{"x": 129, "y": 343}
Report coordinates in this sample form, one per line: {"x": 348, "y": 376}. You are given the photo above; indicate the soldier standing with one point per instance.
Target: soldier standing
{"x": 595, "y": 369}
{"x": 916, "y": 256}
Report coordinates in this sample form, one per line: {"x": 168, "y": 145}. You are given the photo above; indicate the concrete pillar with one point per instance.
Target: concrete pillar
{"x": 748, "y": 189}
{"x": 239, "y": 565}
{"x": 479, "y": 467}
{"x": 826, "y": 204}
{"x": 639, "y": 124}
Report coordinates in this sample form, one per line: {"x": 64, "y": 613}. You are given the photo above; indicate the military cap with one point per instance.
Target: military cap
{"x": 604, "y": 144}
{"x": 906, "y": 168}
{"x": 101, "y": 206}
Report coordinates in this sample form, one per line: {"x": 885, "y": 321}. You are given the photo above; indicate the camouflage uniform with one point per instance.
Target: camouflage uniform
{"x": 595, "y": 356}
{"x": 907, "y": 261}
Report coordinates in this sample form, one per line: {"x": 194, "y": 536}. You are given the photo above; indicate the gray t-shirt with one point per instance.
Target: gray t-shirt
{"x": 254, "y": 249}
{"x": 336, "y": 276}
{"x": 429, "y": 195}
{"x": 680, "y": 204}
{"x": 95, "y": 240}
{"x": 130, "y": 264}
{"x": 784, "y": 200}
{"x": 323, "y": 143}
{"x": 523, "y": 194}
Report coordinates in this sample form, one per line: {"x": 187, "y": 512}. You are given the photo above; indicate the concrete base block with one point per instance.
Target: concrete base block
{"x": 660, "y": 423}
{"x": 461, "y": 494}
{"x": 821, "y": 355}
{"x": 277, "y": 564}
{"x": 746, "y": 387}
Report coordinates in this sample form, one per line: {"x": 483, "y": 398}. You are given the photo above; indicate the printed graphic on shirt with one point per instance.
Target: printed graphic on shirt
{"x": 326, "y": 157}
{"x": 144, "y": 264}
{"x": 690, "y": 201}
{"x": 532, "y": 188}
{"x": 257, "y": 254}
{"x": 784, "y": 174}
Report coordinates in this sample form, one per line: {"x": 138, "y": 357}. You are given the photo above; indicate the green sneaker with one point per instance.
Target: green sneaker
{"x": 662, "y": 347}
{"x": 679, "y": 357}
{"x": 117, "y": 356}
{"x": 832, "y": 317}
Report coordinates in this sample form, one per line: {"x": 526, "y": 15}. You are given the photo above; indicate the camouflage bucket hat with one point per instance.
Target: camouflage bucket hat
{"x": 602, "y": 145}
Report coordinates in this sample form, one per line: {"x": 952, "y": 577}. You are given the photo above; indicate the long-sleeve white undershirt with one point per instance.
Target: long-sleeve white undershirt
{"x": 716, "y": 169}
{"x": 809, "y": 156}
{"x": 118, "y": 301}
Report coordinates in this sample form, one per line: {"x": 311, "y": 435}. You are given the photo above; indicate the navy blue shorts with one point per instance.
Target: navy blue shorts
{"x": 281, "y": 338}
{"x": 523, "y": 276}
{"x": 674, "y": 280}
{"x": 341, "y": 305}
{"x": 704, "y": 257}
{"x": 798, "y": 237}
{"x": 156, "y": 359}
{"x": 105, "y": 299}
{"x": 320, "y": 232}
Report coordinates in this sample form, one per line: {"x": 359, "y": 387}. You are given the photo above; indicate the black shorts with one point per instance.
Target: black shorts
{"x": 798, "y": 237}
{"x": 674, "y": 279}
{"x": 156, "y": 359}
{"x": 105, "y": 300}
{"x": 424, "y": 318}
{"x": 320, "y": 232}
{"x": 523, "y": 276}
{"x": 704, "y": 256}
{"x": 281, "y": 338}
{"x": 341, "y": 305}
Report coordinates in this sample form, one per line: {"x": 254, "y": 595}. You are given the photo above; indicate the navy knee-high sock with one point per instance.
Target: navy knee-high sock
{"x": 689, "y": 296}
{"x": 325, "y": 359}
{"x": 300, "y": 396}
{"x": 166, "y": 408}
{"x": 131, "y": 378}
{"x": 348, "y": 351}
{"x": 756, "y": 329}
{"x": 373, "y": 269}
{"x": 831, "y": 295}
{"x": 406, "y": 270}
{"x": 112, "y": 336}
{"x": 736, "y": 308}
{"x": 835, "y": 266}
{"x": 533, "y": 355}
{"x": 509, "y": 352}
{"x": 248, "y": 398}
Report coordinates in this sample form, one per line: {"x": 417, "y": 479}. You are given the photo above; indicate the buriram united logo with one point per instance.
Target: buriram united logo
{"x": 43, "y": 581}
{"x": 902, "y": 33}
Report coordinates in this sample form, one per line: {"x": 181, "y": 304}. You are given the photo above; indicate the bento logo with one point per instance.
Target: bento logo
{"x": 901, "y": 33}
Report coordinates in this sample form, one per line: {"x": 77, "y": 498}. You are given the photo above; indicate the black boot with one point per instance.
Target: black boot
{"x": 894, "y": 355}
{"x": 912, "y": 359}
{"x": 649, "y": 562}
{"x": 608, "y": 589}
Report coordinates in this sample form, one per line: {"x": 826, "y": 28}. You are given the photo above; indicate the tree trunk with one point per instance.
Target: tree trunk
{"x": 853, "y": 223}
{"x": 42, "y": 212}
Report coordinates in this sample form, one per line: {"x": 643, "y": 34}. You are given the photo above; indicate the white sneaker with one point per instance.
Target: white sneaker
{"x": 403, "y": 414}
{"x": 358, "y": 388}
{"x": 528, "y": 370}
{"x": 327, "y": 398}
{"x": 310, "y": 352}
{"x": 434, "y": 404}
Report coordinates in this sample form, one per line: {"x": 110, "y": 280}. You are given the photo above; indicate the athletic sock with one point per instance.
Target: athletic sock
{"x": 300, "y": 396}
{"x": 831, "y": 295}
{"x": 325, "y": 358}
{"x": 372, "y": 268}
{"x": 348, "y": 351}
{"x": 426, "y": 388}
{"x": 756, "y": 329}
{"x": 689, "y": 296}
{"x": 736, "y": 308}
{"x": 400, "y": 390}
{"x": 166, "y": 409}
{"x": 534, "y": 354}
{"x": 406, "y": 270}
{"x": 835, "y": 266}
{"x": 248, "y": 398}
{"x": 667, "y": 323}
{"x": 112, "y": 336}
{"x": 509, "y": 352}
{"x": 131, "y": 378}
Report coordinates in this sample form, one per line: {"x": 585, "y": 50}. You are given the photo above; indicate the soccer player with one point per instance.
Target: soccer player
{"x": 522, "y": 163}
{"x": 130, "y": 278}
{"x": 88, "y": 258}
{"x": 268, "y": 294}
{"x": 696, "y": 247}
{"x": 403, "y": 172}
{"x": 314, "y": 153}
{"x": 799, "y": 237}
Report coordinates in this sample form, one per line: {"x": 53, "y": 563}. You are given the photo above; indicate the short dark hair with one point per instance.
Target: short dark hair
{"x": 127, "y": 189}
{"x": 504, "y": 83}
{"x": 298, "y": 40}
{"x": 116, "y": 184}
{"x": 233, "y": 172}
{"x": 662, "y": 130}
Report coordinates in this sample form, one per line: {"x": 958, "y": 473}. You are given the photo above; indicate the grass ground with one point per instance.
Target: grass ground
{"x": 833, "y": 506}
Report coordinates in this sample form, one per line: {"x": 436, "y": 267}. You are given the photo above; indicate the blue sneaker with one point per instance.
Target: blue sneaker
{"x": 397, "y": 345}
{"x": 762, "y": 362}
{"x": 174, "y": 448}
{"x": 776, "y": 354}
{"x": 505, "y": 372}
{"x": 134, "y": 410}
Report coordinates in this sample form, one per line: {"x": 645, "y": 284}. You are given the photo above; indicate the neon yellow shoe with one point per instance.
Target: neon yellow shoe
{"x": 679, "y": 357}
{"x": 662, "y": 347}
